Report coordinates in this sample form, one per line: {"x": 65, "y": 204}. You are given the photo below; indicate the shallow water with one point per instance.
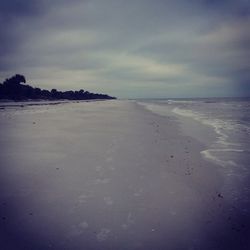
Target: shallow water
{"x": 229, "y": 119}
{"x": 223, "y": 126}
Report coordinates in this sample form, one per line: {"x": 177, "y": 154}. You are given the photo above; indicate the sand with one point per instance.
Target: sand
{"x": 109, "y": 175}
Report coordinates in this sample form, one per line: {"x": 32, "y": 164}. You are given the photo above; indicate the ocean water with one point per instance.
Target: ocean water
{"x": 223, "y": 126}
{"x": 229, "y": 118}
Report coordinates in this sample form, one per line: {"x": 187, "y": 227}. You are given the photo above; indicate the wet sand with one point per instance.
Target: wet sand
{"x": 109, "y": 175}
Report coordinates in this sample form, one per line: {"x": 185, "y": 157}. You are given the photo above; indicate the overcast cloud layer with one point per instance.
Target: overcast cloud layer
{"x": 129, "y": 48}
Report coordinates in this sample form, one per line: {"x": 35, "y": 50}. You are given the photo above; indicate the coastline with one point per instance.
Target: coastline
{"x": 110, "y": 175}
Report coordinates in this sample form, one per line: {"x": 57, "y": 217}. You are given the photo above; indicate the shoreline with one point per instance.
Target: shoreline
{"x": 110, "y": 175}
{"x": 21, "y": 104}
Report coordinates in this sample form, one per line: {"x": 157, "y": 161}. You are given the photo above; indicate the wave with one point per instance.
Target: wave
{"x": 218, "y": 125}
{"x": 179, "y": 101}
{"x": 155, "y": 108}
{"x": 228, "y": 134}
{"x": 208, "y": 154}
{"x": 231, "y": 133}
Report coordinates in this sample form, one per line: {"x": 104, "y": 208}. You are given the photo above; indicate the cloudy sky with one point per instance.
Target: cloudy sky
{"x": 129, "y": 48}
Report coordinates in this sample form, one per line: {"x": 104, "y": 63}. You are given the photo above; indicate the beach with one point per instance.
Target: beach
{"x": 110, "y": 175}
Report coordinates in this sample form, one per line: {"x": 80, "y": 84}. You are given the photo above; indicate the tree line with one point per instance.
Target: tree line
{"x": 15, "y": 88}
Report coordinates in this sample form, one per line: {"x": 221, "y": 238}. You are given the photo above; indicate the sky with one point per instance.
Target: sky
{"x": 129, "y": 48}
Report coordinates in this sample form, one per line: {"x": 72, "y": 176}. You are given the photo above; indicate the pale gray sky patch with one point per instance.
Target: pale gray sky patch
{"x": 129, "y": 48}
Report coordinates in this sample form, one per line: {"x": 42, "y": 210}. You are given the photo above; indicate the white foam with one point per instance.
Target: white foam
{"x": 179, "y": 101}
{"x": 155, "y": 108}
{"x": 208, "y": 154}
{"x": 221, "y": 128}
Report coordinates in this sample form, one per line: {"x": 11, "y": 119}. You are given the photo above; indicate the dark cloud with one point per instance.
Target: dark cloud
{"x": 14, "y": 15}
{"x": 18, "y": 8}
{"x": 19, "y": 20}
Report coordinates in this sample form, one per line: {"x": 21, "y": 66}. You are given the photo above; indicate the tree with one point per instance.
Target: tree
{"x": 14, "y": 90}
{"x": 15, "y": 80}
{"x": 54, "y": 93}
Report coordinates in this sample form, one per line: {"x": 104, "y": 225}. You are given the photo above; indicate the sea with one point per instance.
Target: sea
{"x": 222, "y": 125}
